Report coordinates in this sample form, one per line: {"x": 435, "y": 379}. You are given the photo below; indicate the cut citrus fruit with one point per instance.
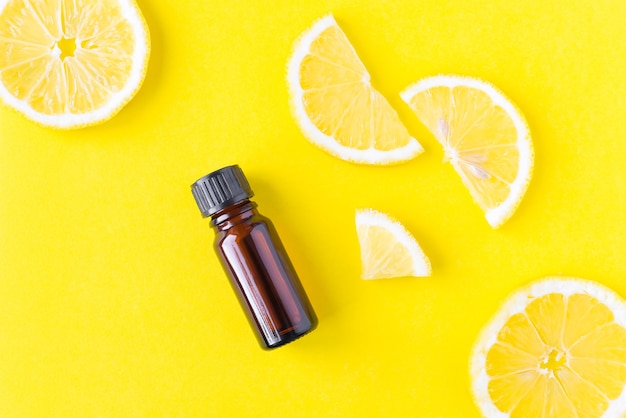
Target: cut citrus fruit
{"x": 388, "y": 250}
{"x": 335, "y": 105}
{"x": 71, "y": 63}
{"x": 556, "y": 348}
{"x": 484, "y": 136}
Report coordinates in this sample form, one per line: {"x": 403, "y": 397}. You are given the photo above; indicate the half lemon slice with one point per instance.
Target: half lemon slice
{"x": 483, "y": 135}
{"x": 335, "y": 104}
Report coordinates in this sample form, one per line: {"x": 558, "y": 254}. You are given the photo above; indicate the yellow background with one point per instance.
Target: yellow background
{"x": 113, "y": 304}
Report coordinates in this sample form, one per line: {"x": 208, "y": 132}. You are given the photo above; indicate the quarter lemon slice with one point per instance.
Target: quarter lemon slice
{"x": 335, "y": 105}
{"x": 483, "y": 135}
{"x": 71, "y": 63}
{"x": 556, "y": 348}
{"x": 388, "y": 250}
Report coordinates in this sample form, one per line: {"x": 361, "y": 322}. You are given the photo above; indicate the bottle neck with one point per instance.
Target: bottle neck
{"x": 233, "y": 215}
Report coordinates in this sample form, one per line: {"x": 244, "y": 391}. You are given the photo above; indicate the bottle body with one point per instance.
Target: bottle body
{"x": 262, "y": 275}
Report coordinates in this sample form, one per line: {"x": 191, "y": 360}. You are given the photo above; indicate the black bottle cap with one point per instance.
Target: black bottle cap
{"x": 220, "y": 189}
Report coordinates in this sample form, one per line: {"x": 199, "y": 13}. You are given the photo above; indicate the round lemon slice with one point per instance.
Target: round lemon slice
{"x": 71, "y": 63}
{"x": 335, "y": 105}
{"x": 556, "y": 348}
{"x": 483, "y": 135}
{"x": 388, "y": 250}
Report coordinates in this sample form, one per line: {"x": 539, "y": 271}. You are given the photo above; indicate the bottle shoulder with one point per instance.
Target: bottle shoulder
{"x": 242, "y": 212}
{"x": 249, "y": 227}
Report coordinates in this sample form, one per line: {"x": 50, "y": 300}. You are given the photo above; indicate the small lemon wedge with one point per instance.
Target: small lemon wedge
{"x": 388, "y": 250}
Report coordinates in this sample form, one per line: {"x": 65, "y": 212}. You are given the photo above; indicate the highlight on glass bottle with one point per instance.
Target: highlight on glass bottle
{"x": 254, "y": 259}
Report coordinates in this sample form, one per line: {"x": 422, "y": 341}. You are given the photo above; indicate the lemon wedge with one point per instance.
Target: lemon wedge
{"x": 388, "y": 250}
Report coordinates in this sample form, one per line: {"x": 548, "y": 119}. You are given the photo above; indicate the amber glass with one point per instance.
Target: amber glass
{"x": 262, "y": 275}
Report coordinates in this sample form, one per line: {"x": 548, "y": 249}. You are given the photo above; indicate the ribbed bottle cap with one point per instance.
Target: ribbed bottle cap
{"x": 220, "y": 189}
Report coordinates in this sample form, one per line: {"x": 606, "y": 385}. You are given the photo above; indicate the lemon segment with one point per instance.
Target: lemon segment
{"x": 335, "y": 104}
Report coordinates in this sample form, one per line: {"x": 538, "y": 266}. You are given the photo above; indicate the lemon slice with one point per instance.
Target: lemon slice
{"x": 556, "y": 348}
{"x": 71, "y": 63}
{"x": 335, "y": 105}
{"x": 388, "y": 250}
{"x": 484, "y": 136}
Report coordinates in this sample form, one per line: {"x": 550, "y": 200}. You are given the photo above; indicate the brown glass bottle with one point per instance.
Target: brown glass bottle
{"x": 254, "y": 258}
